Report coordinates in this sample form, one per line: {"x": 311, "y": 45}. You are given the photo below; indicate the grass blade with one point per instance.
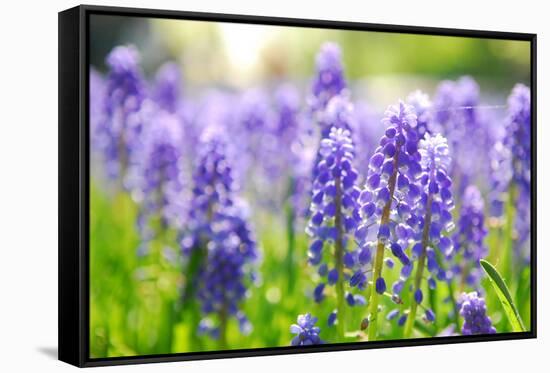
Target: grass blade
{"x": 504, "y": 296}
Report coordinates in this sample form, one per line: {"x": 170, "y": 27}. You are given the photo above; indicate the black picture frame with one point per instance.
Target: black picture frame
{"x": 74, "y": 183}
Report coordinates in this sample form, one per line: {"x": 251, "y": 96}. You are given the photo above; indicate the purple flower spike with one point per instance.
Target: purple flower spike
{"x": 433, "y": 210}
{"x": 119, "y": 131}
{"x": 167, "y": 88}
{"x": 334, "y": 201}
{"x": 511, "y": 171}
{"x": 218, "y": 225}
{"x": 329, "y": 80}
{"x": 160, "y": 182}
{"x": 389, "y": 196}
{"x": 470, "y": 236}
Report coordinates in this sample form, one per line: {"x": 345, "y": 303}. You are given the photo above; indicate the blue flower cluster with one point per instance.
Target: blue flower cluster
{"x": 117, "y": 136}
{"x": 218, "y": 223}
{"x": 333, "y": 207}
{"x": 306, "y": 331}
{"x": 223, "y": 277}
{"x": 511, "y": 168}
{"x": 334, "y": 214}
{"x": 474, "y": 312}
{"x": 519, "y": 135}
{"x": 457, "y": 116}
{"x": 387, "y": 201}
{"x": 469, "y": 238}
{"x": 432, "y": 218}
{"x": 160, "y": 180}
{"x": 167, "y": 88}
{"x": 436, "y": 203}
{"x": 213, "y": 188}
{"x": 329, "y": 80}
{"x": 390, "y": 192}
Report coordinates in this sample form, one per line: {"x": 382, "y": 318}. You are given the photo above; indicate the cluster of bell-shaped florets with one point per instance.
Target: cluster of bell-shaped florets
{"x": 333, "y": 206}
{"x": 511, "y": 167}
{"x": 117, "y": 135}
{"x": 167, "y": 87}
{"x": 306, "y": 331}
{"x": 213, "y": 188}
{"x": 433, "y": 220}
{"x": 160, "y": 182}
{"x": 227, "y": 269}
{"x": 390, "y": 193}
{"x": 469, "y": 245}
{"x": 329, "y": 80}
{"x": 386, "y": 205}
{"x": 474, "y": 312}
{"x": 458, "y": 115}
{"x": 334, "y": 215}
{"x": 219, "y": 227}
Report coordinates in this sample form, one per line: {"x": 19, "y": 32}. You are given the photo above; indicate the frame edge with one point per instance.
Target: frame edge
{"x": 69, "y": 247}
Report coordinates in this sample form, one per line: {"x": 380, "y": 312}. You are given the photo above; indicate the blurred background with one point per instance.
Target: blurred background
{"x": 235, "y": 55}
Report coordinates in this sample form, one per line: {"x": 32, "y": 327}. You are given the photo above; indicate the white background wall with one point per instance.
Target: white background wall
{"x": 28, "y": 185}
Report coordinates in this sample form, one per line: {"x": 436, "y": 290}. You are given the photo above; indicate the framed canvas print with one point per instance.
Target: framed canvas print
{"x": 234, "y": 186}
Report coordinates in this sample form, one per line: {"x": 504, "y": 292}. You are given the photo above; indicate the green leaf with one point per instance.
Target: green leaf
{"x": 504, "y": 296}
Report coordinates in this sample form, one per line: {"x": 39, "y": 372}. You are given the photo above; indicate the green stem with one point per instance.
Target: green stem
{"x": 451, "y": 290}
{"x": 455, "y": 307}
{"x": 420, "y": 268}
{"x": 508, "y": 257}
{"x": 291, "y": 239}
{"x": 339, "y": 261}
{"x": 190, "y": 307}
{"x": 379, "y": 255}
{"x": 223, "y": 328}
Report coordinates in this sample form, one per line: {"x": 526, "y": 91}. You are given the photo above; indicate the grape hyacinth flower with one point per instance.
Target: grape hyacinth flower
{"x": 254, "y": 119}
{"x": 474, "y": 312}
{"x": 386, "y": 202}
{"x": 160, "y": 182}
{"x": 511, "y": 175}
{"x": 213, "y": 190}
{"x": 329, "y": 80}
{"x": 306, "y": 331}
{"x": 213, "y": 187}
{"x": 125, "y": 93}
{"x": 519, "y": 134}
{"x": 280, "y": 140}
{"x": 220, "y": 239}
{"x": 334, "y": 214}
{"x": 457, "y": 116}
{"x": 167, "y": 90}
{"x": 518, "y": 140}
{"x": 329, "y": 85}
{"x": 423, "y": 107}
{"x": 227, "y": 269}
{"x": 469, "y": 237}
{"x": 434, "y": 219}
